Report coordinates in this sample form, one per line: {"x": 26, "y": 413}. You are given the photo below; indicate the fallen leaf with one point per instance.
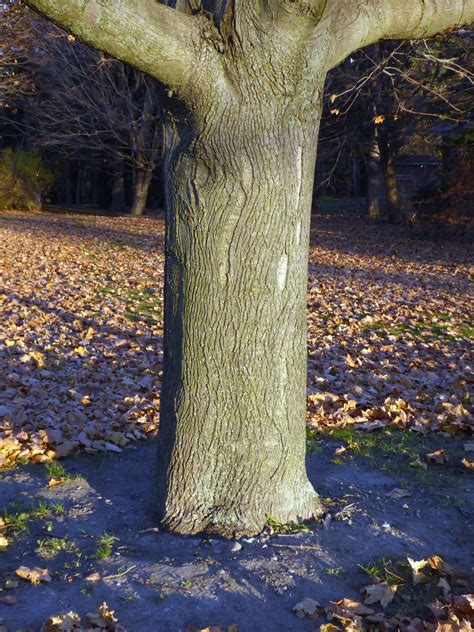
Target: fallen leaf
{"x": 306, "y": 608}
{"x": 53, "y": 482}
{"x": 81, "y": 351}
{"x": 416, "y": 566}
{"x": 464, "y": 603}
{"x": 398, "y": 493}
{"x": 93, "y": 577}
{"x": 63, "y": 623}
{"x": 438, "y": 564}
{"x": 34, "y": 575}
{"x": 383, "y": 593}
{"x": 351, "y": 607}
{"x": 468, "y": 464}
{"x": 438, "y": 456}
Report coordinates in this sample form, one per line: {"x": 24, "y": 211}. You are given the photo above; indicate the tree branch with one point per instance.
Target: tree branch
{"x": 144, "y": 33}
{"x": 355, "y": 24}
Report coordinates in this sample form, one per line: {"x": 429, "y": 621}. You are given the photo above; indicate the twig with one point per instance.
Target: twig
{"x": 120, "y": 574}
{"x": 296, "y": 546}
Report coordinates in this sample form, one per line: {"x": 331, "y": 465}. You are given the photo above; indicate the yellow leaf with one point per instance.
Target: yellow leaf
{"x": 3, "y": 542}
{"x": 468, "y": 464}
{"x": 38, "y": 357}
{"x": 379, "y": 119}
{"x": 33, "y": 575}
{"x": 82, "y": 351}
{"x": 55, "y": 481}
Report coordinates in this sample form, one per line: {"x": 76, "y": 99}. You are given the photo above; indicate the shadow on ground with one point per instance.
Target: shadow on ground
{"x": 163, "y": 582}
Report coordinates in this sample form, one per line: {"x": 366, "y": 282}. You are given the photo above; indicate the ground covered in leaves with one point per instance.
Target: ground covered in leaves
{"x": 389, "y": 434}
{"x": 81, "y": 309}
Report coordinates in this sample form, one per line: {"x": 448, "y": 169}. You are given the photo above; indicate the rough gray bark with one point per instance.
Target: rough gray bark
{"x": 244, "y": 80}
{"x": 234, "y": 395}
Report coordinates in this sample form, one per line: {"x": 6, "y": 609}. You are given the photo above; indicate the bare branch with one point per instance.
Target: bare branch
{"x": 144, "y": 33}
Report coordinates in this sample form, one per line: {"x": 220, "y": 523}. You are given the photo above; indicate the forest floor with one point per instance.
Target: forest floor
{"x": 390, "y": 442}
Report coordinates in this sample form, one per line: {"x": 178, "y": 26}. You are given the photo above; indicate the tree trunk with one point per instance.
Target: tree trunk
{"x": 232, "y": 433}
{"x": 376, "y": 194}
{"x": 117, "y": 200}
{"x": 141, "y": 187}
{"x": 393, "y": 205}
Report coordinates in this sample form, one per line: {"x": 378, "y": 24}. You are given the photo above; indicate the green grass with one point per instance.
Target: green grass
{"x": 144, "y": 305}
{"x": 373, "y": 445}
{"x": 17, "y": 518}
{"x": 313, "y": 441}
{"x": 50, "y": 547}
{"x": 57, "y": 470}
{"x": 386, "y": 570}
{"x": 426, "y": 328}
{"x": 337, "y": 570}
{"x": 290, "y": 527}
{"x": 104, "y": 546}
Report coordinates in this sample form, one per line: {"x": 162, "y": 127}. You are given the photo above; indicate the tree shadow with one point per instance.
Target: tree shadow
{"x": 160, "y": 581}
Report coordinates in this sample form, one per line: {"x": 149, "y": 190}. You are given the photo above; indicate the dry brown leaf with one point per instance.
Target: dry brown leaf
{"x": 383, "y": 593}
{"x": 416, "y": 566}
{"x": 438, "y": 564}
{"x": 351, "y": 607}
{"x": 468, "y": 464}
{"x": 438, "y": 456}
{"x": 34, "y": 575}
{"x": 69, "y": 622}
{"x": 306, "y": 608}
{"x": 464, "y": 603}
{"x": 93, "y": 577}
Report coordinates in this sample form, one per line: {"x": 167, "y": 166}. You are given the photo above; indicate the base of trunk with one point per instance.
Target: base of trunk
{"x": 242, "y": 520}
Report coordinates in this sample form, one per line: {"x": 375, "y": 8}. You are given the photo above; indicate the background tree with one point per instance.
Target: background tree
{"x": 82, "y": 105}
{"x": 244, "y": 85}
{"x": 387, "y": 98}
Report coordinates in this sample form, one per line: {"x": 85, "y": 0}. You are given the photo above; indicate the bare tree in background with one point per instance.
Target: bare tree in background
{"x": 385, "y": 96}
{"x": 79, "y": 102}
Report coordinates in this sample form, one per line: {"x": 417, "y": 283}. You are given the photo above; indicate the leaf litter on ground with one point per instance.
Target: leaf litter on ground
{"x": 81, "y": 309}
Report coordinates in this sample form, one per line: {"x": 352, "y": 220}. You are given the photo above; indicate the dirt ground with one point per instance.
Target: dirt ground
{"x": 157, "y": 581}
